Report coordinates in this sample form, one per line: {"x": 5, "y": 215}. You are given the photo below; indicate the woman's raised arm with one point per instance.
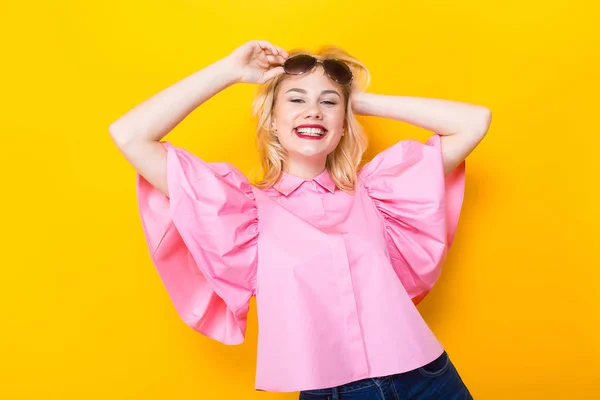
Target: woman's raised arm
{"x": 138, "y": 132}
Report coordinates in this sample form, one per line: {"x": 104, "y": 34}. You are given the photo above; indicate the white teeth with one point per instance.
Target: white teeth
{"x": 311, "y": 131}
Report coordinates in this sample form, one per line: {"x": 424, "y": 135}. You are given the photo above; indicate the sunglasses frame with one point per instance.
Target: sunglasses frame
{"x": 322, "y": 62}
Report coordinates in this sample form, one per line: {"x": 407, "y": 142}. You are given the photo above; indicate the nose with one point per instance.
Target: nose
{"x": 314, "y": 112}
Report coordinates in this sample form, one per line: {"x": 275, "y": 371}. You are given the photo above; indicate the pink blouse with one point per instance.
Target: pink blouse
{"x": 336, "y": 276}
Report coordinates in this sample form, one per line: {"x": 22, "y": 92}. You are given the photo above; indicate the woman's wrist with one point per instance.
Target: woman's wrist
{"x": 230, "y": 72}
{"x": 358, "y": 102}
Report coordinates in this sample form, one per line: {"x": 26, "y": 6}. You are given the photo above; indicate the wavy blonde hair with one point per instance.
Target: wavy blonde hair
{"x": 343, "y": 162}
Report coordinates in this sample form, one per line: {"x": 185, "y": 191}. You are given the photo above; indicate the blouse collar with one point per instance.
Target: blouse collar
{"x": 288, "y": 183}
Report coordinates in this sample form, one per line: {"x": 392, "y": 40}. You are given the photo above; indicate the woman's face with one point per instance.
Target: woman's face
{"x": 309, "y": 116}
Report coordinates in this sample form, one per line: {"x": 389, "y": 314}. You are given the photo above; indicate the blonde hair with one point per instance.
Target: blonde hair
{"x": 343, "y": 162}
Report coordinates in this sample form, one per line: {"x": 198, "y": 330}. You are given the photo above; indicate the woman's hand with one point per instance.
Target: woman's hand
{"x": 256, "y": 61}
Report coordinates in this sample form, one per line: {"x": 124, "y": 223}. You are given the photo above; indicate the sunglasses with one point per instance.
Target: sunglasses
{"x": 334, "y": 68}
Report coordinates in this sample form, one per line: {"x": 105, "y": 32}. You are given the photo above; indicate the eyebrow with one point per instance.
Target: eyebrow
{"x": 304, "y": 91}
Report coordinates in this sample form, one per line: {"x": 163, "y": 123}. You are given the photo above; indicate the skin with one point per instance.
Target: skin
{"x": 138, "y": 133}
{"x": 310, "y": 98}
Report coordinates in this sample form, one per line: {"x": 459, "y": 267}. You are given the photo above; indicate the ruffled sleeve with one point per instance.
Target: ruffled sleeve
{"x": 420, "y": 207}
{"x": 203, "y": 242}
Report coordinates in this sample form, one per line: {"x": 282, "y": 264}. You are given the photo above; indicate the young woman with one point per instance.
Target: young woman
{"x": 336, "y": 256}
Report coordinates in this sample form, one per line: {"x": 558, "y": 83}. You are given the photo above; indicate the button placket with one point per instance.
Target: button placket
{"x": 348, "y": 301}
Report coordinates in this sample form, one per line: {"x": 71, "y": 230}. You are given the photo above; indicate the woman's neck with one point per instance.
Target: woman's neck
{"x": 305, "y": 169}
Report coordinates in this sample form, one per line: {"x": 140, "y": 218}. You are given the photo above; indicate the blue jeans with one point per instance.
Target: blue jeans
{"x": 436, "y": 380}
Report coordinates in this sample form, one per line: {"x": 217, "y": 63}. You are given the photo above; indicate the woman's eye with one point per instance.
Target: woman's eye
{"x": 297, "y": 100}
{"x": 329, "y": 102}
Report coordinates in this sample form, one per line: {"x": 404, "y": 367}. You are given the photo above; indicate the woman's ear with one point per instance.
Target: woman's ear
{"x": 273, "y": 124}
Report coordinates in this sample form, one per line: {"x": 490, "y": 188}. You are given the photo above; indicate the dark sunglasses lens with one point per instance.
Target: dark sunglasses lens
{"x": 298, "y": 64}
{"x": 338, "y": 71}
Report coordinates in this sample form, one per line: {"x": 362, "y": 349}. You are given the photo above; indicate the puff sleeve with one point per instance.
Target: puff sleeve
{"x": 420, "y": 207}
{"x": 203, "y": 242}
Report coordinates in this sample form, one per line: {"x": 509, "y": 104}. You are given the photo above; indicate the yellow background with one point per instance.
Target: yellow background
{"x": 84, "y": 314}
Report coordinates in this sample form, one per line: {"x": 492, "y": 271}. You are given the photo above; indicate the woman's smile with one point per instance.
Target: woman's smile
{"x": 310, "y": 131}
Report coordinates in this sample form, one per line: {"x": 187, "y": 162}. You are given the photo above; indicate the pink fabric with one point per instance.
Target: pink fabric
{"x": 336, "y": 276}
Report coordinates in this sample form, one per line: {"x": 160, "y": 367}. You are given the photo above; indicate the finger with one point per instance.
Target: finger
{"x": 263, "y": 60}
{"x": 283, "y": 53}
{"x": 267, "y": 47}
{"x": 272, "y": 73}
{"x": 275, "y": 60}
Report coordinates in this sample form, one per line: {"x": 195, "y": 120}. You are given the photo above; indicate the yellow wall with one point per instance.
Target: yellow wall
{"x": 85, "y": 316}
